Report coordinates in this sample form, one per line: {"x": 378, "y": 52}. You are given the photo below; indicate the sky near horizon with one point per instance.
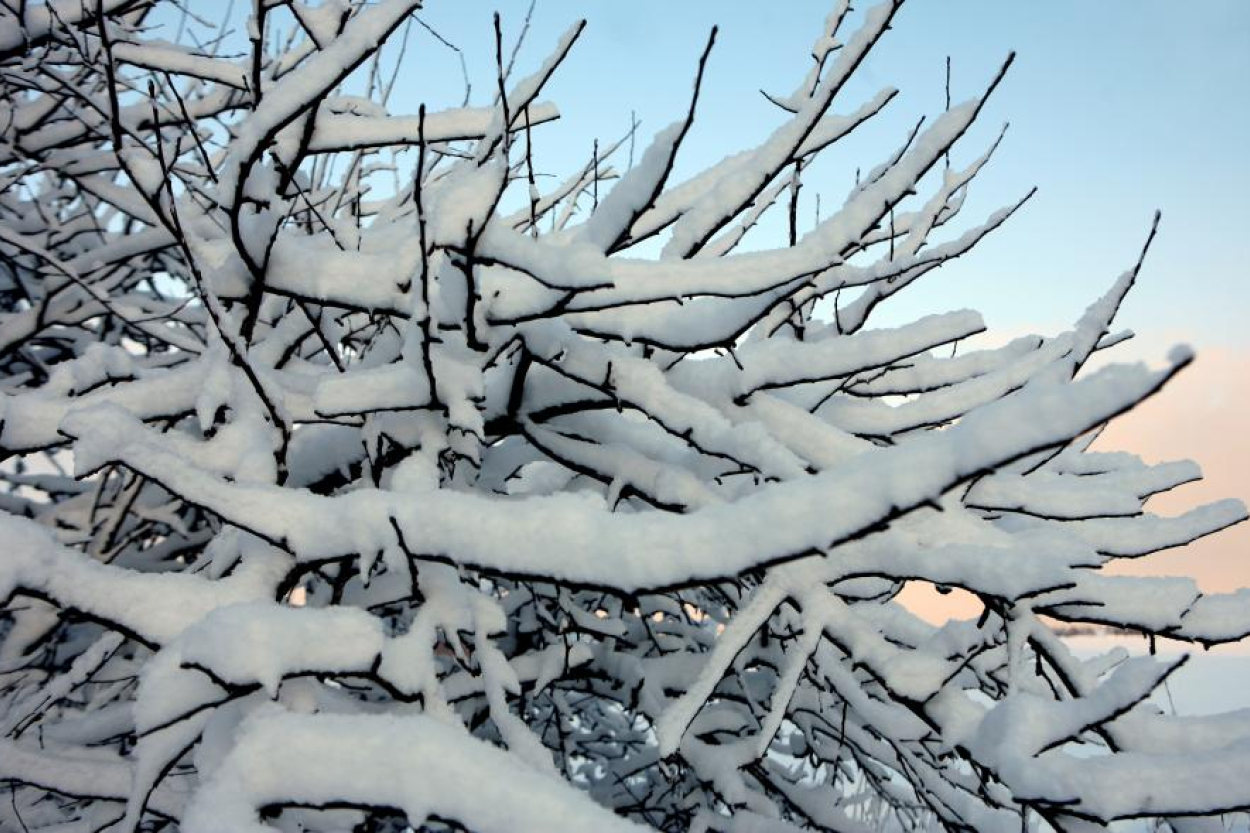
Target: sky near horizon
{"x": 1116, "y": 108}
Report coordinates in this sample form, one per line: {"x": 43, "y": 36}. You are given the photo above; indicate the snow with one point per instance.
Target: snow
{"x": 262, "y": 643}
{"x": 775, "y": 363}
{"x": 730, "y": 194}
{"x": 343, "y": 131}
{"x": 577, "y": 538}
{"x": 360, "y": 469}
{"x": 154, "y": 607}
{"x": 305, "y": 84}
{"x": 413, "y": 762}
{"x": 635, "y": 191}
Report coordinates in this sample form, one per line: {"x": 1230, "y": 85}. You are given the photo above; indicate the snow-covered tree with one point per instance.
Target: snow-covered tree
{"x": 407, "y": 492}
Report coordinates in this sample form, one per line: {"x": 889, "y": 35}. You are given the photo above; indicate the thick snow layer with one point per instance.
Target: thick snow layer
{"x": 577, "y": 538}
{"x": 154, "y": 607}
{"x": 413, "y": 763}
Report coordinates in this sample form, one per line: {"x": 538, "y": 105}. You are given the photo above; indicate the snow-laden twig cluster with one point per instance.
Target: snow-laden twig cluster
{"x": 391, "y": 506}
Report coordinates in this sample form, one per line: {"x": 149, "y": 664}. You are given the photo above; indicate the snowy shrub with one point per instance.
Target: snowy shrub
{"x": 461, "y": 503}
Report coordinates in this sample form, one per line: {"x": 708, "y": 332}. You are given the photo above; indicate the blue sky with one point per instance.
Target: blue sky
{"x": 1116, "y": 107}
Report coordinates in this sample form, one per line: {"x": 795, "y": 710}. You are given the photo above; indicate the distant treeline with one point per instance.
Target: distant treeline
{"x": 1093, "y": 630}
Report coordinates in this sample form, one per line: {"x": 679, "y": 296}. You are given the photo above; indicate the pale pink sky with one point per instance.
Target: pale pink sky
{"x": 1201, "y": 416}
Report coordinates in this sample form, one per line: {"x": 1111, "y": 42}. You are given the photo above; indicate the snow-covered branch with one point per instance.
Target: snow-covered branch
{"x": 351, "y": 480}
